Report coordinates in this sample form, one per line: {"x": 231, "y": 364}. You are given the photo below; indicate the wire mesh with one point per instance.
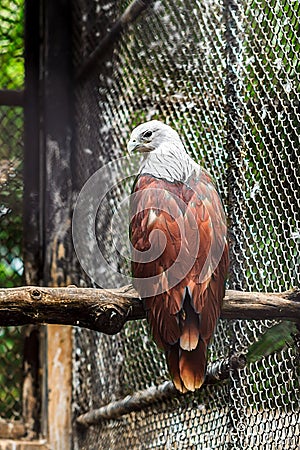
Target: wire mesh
{"x": 11, "y": 374}
{"x": 11, "y": 264}
{"x": 11, "y": 196}
{"x": 226, "y": 76}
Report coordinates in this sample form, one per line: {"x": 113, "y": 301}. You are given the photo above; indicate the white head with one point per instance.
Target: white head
{"x": 150, "y": 136}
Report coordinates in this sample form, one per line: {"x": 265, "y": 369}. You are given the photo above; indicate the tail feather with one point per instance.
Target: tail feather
{"x": 173, "y": 364}
{"x": 190, "y": 324}
{"x": 187, "y": 368}
{"x": 192, "y": 366}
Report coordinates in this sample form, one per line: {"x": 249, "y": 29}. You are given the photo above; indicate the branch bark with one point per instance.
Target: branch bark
{"x": 108, "y": 310}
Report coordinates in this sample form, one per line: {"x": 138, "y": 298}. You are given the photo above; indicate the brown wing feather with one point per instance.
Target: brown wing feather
{"x": 184, "y": 312}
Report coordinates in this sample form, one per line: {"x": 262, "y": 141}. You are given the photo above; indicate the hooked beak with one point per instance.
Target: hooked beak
{"x": 132, "y": 146}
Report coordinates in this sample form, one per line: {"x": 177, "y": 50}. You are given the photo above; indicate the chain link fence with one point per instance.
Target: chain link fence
{"x": 225, "y": 75}
{"x": 11, "y": 196}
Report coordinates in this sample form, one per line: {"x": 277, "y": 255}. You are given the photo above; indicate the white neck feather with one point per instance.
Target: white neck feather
{"x": 169, "y": 161}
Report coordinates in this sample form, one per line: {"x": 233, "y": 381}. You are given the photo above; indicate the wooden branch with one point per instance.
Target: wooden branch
{"x": 216, "y": 371}
{"x": 131, "y": 13}
{"x": 108, "y": 310}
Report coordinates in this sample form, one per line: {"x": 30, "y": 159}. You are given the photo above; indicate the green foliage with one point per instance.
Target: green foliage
{"x": 11, "y": 44}
{"x": 272, "y": 374}
{"x": 274, "y": 340}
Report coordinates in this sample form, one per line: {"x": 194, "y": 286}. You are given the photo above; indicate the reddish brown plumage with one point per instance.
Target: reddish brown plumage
{"x": 182, "y": 309}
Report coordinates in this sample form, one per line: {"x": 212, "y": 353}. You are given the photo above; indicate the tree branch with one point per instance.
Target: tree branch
{"x": 216, "y": 371}
{"x": 108, "y": 310}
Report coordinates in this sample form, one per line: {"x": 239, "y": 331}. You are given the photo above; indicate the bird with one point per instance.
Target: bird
{"x": 180, "y": 256}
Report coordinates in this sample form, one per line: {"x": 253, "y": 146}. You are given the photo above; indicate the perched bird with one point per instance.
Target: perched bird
{"x": 179, "y": 250}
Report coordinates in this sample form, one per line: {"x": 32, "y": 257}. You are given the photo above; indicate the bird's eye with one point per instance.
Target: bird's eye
{"x": 147, "y": 134}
